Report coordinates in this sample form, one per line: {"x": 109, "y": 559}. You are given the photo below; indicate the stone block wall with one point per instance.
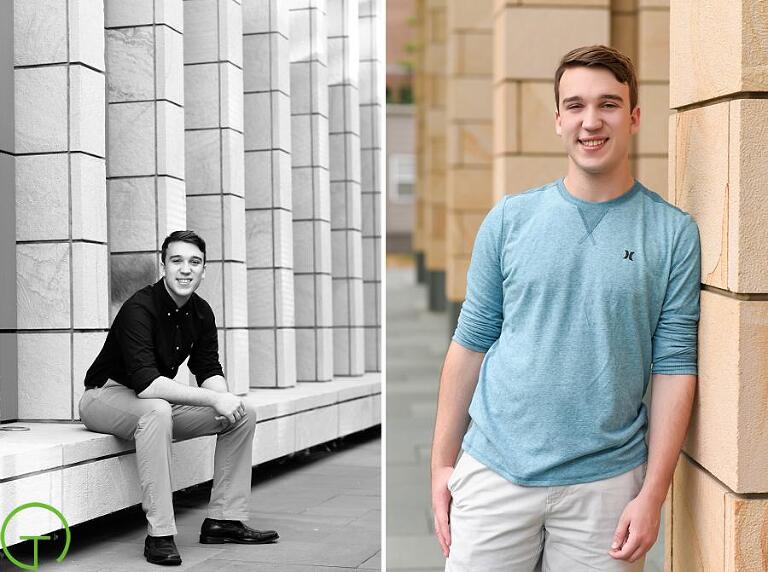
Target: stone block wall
{"x": 527, "y": 151}
{"x": 469, "y": 136}
{"x": 213, "y": 122}
{"x": 123, "y": 121}
{"x": 371, "y": 15}
{"x": 344, "y": 173}
{"x": 719, "y": 500}
{"x": 269, "y": 196}
{"x": 55, "y": 294}
{"x": 434, "y": 149}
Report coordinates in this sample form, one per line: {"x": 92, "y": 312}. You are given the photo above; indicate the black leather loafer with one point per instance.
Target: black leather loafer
{"x": 221, "y": 531}
{"x": 161, "y": 550}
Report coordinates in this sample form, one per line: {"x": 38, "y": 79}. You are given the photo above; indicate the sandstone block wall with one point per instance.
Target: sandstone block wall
{"x": 717, "y": 171}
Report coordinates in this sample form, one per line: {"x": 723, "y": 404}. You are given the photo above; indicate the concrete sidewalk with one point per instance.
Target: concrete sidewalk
{"x": 325, "y": 503}
{"x": 416, "y": 343}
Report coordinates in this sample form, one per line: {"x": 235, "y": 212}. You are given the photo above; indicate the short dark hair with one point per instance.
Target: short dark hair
{"x": 189, "y": 236}
{"x": 611, "y": 59}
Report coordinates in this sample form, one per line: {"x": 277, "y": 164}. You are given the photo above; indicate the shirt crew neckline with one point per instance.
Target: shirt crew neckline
{"x": 633, "y": 190}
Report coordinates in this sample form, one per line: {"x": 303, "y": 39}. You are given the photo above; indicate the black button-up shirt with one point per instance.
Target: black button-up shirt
{"x": 151, "y": 337}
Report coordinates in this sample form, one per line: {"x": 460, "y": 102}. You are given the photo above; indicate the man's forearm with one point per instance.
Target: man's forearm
{"x": 671, "y": 403}
{"x": 173, "y": 392}
{"x": 215, "y": 383}
{"x": 457, "y": 385}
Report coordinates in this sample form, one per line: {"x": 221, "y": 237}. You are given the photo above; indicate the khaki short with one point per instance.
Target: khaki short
{"x": 498, "y": 525}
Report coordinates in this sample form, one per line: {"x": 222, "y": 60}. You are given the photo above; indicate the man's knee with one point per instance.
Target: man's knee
{"x": 250, "y": 412}
{"x": 156, "y": 411}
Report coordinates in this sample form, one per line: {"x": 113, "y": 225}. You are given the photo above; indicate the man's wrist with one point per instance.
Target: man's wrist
{"x": 654, "y": 494}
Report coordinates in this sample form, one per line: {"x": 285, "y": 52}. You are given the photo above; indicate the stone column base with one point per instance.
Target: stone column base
{"x": 421, "y": 269}
{"x": 436, "y": 288}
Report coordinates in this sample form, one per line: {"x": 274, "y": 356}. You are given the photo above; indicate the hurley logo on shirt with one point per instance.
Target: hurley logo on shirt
{"x": 629, "y": 254}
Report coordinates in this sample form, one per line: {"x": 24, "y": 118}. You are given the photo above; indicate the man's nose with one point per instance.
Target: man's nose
{"x": 185, "y": 267}
{"x": 592, "y": 119}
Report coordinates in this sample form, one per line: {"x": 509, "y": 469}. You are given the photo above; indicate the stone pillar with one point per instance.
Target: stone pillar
{"x": 372, "y": 181}
{"x": 145, "y": 138}
{"x": 469, "y": 109}
{"x": 311, "y": 190}
{"x": 650, "y": 151}
{"x": 268, "y": 193}
{"x": 529, "y": 42}
{"x": 718, "y": 169}
{"x": 435, "y": 153}
{"x": 213, "y": 148}
{"x": 54, "y": 307}
{"x": 420, "y": 82}
{"x": 344, "y": 167}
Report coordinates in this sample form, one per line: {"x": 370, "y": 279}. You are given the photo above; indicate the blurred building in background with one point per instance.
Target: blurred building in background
{"x": 259, "y": 124}
{"x": 484, "y": 128}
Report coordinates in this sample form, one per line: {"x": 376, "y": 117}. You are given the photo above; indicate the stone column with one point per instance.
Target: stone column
{"x": 435, "y": 153}
{"x": 344, "y": 168}
{"x": 213, "y": 148}
{"x": 311, "y": 190}
{"x": 650, "y": 156}
{"x": 718, "y": 169}
{"x": 54, "y": 307}
{"x": 145, "y": 138}
{"x": 372, "y": 181}
{"x": 420, "y": 84}
{"x": 469, "y": 109}
{"x": 268, "y": 193}
{"x": 529, "y": 41}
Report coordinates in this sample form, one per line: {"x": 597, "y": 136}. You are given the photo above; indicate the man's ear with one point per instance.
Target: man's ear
{"x": 634, "y": 120}
{"x": 558, "y": 123}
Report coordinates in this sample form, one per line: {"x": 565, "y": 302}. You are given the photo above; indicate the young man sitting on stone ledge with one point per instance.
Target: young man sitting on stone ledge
{"x": 130, "y": 393}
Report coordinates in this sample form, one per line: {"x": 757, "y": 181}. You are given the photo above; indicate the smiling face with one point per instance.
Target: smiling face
{"x": 183, "y": 270}
{"x": 595, "y": 121}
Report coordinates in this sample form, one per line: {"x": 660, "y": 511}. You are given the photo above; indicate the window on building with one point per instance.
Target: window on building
{"x": 401, "y": 177}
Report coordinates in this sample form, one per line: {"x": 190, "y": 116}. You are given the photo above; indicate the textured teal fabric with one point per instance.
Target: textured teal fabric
{"x": 574, "y": 304}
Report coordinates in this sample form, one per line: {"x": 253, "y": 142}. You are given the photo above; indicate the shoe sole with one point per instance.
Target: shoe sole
{"x": 225, "y": 540}
{"x": 162, "y": 562}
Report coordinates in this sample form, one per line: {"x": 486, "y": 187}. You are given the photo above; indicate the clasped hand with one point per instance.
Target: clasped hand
{"x": 230, "y": 408}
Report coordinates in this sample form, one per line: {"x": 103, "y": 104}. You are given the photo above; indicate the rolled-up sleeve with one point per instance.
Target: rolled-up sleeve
{"x": 137, "y": 347}
{"x": 479, "y": 324}
{"x": 675, "y": 338}
{"x": 204, "y": 357}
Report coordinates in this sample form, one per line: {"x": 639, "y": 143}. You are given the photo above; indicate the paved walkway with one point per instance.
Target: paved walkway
{"x": 326, "y": 505}
{"x": 416, "y": 344}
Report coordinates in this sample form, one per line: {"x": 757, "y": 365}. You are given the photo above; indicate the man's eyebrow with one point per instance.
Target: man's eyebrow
{"x": 610, "y": 96}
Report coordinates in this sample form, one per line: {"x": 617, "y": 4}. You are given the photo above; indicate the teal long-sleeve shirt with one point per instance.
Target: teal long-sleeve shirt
{"x": 574, "y": 303}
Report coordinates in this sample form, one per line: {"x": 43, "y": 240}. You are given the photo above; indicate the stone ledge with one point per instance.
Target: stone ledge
{"x": 87, "y": 474}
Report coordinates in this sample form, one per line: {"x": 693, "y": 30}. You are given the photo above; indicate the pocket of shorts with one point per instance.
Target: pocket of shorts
{"x": 451, "y": 484}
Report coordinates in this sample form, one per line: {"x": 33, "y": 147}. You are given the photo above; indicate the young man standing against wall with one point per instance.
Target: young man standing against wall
{"x": 130, "y": 393}
{"x": 576, "y": 292}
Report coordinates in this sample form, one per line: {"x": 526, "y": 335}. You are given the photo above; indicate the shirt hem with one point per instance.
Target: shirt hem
{"x": 552, "y": 483}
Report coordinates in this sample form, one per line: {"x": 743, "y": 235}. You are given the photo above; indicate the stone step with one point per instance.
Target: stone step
{"x": 86, "y": 475}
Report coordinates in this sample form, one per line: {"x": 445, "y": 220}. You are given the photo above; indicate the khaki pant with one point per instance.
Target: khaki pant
{"x": 153, "y": 423}
{"x": 498, "y": 525}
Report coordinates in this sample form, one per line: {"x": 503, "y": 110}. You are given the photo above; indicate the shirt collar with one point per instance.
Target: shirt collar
{"x": 166, "y": 303}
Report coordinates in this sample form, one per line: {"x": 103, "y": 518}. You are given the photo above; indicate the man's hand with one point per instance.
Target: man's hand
{"x": 229, "y": 407}
{"x": 637, "y": 530}
{"x": 441, "y": 506}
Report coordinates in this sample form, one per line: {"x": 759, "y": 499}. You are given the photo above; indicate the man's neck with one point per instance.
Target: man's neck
{"x": 597, "y": 188}
{"x": 179, "y": 301}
